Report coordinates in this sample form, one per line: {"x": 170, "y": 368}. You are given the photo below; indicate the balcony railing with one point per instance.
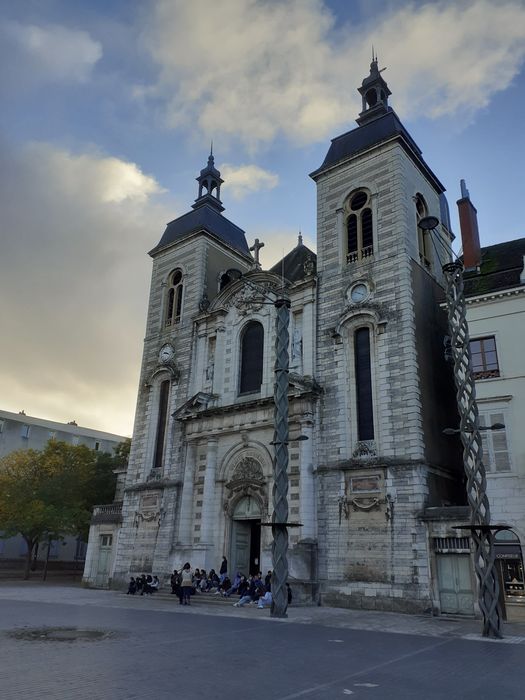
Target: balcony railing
{"x": 360, "y": 254}
{"x": 111, "y": 513}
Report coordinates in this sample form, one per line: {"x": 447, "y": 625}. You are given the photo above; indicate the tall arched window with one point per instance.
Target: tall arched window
{"x": 174, "y": 298}
{"x": 252, "y": 354}
{"x": 359, "y": 227}
{"x": 423, "y": 237}
{"x": 363, "y": 381}
{"x": 162, "y": 421}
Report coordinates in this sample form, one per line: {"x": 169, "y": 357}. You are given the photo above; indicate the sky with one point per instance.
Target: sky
{"x": 108, "y": 111}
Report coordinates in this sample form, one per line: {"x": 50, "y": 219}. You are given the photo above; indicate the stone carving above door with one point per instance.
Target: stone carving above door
{"x": 248, "y": 469}
{"x": 247, "y": 479}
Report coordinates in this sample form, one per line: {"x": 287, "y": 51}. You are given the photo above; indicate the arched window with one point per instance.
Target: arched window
{"x": 423, "y": 237}
{"x": 162, "y": 421}
{"x": 363, "y": 381}
{"x": 359, "y": 227}
{"x": 174, "y": 298}
{"x": 224, "y": 280}
{"x": 252, "y": 354}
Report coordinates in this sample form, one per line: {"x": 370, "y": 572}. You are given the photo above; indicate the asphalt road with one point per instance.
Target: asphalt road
{"x": 154, "y": 655}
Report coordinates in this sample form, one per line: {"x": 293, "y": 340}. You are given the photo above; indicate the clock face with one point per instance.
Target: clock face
{"x": 166, "y": 353}
{"x": 359, "y": 292}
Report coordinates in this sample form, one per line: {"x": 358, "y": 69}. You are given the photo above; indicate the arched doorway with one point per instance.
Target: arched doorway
{"x": 245, "y": 554}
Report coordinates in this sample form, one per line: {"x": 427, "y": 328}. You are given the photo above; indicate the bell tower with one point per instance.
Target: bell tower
{"x": 379, "y": 339}
{"x": 374, "y": 94}
{"x": 210, "y": 182}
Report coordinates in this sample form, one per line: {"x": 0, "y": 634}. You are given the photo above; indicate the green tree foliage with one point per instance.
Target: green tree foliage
{"x": 51, "y": 492}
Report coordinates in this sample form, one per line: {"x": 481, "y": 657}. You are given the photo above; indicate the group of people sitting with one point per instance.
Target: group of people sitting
{"x": 143, "y": 584}
{"x": 186, "y": 582}
{"x": 251, "y": 590}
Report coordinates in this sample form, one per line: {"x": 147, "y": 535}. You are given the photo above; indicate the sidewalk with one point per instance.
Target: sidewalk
{"x": 336, "y": 618}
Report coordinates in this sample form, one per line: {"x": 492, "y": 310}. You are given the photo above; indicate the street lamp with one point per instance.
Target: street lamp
{"x": 279, "y": 523}
{"x": 470, "y": 433}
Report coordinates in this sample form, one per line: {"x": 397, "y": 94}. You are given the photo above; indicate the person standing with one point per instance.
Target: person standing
{"x": 223, "y": 571}
{"x": 186, "y": 576}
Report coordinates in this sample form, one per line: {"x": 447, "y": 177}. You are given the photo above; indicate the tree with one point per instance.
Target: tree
{"x": 50, "y": 493}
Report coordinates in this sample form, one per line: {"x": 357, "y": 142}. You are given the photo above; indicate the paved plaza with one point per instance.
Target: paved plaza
{"x": 153, "y": 648}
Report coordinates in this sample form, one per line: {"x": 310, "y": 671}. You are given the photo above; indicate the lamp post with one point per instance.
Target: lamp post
{"x": 279, "y": 522}
{"x": 469, "y": 431}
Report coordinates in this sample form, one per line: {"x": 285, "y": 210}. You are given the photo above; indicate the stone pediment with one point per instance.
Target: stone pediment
{"x": 199, "y": 402}
{"x": 303, "y": 384}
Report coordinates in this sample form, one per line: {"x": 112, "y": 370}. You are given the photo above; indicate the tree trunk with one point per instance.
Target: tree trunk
{"x": 30, "y": 544}
{"x": 44, "y": 576}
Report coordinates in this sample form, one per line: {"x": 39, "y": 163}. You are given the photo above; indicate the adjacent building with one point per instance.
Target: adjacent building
{"x": 19, "y": 431}
{"x": 496, "y": 316}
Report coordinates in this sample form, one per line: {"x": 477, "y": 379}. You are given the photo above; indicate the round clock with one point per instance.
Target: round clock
{"x": 359, "y": 292}
{"x": 166, "y": 354}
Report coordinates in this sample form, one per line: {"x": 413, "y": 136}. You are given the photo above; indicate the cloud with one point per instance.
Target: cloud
{"x": 254, "y": 70}
{"x": 50, "y": 53}
{"x": 243, "y": 180}
{"x": 75, "y": 276}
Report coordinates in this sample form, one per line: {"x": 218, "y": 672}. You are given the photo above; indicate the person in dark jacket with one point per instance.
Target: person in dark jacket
{"x": 223, "y": 571}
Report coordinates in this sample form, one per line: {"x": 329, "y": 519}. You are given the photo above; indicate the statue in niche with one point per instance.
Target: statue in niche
{"x": 296, "y": 359}
{"x": 209, "y": 370}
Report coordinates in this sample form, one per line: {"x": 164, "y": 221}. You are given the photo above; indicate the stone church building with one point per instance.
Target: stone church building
{"x": 369, "y": 388}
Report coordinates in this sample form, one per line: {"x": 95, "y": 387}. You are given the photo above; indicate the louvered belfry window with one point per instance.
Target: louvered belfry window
{"x": 363, "y": 379}
{"x": 359, "y": 228}
{"x": 174, "y": 300}
{"x": 252, "y": 354}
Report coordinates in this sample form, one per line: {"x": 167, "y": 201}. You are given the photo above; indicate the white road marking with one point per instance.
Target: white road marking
{"x": 339, "y": 641}
{"x": 367, "y": 685}
{"x": 346, "y": 691}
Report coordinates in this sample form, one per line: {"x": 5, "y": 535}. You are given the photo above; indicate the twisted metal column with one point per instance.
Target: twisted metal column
{"x": 484, "y": 556}
{"x": 280, "y": 467}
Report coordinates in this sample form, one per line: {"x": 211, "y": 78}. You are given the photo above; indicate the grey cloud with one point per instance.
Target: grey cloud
{"x": 74, "y": 277}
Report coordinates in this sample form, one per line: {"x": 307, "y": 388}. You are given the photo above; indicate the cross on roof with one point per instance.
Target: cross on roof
{"x": 256, "y": 247}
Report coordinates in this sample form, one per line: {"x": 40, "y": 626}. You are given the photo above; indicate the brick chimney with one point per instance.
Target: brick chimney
{"x": 468, "y": 223}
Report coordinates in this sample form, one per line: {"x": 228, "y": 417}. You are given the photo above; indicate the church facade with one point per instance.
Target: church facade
{"x": 369, "y": 387}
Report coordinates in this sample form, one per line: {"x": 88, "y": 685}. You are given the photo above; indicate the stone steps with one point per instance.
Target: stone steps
{"x": 198, "y": 598}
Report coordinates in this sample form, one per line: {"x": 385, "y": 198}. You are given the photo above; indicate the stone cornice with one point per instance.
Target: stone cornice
{"x": 494, "y": 296}
{"x": 154, "y": 485}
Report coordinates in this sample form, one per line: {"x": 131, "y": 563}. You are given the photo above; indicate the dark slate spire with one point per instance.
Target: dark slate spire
{"x": 210, "y": 182}
{"x": 206, "y": 216}
{"x": 374, "y": 93}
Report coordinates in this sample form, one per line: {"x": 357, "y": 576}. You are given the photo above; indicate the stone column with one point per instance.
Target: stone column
{"x": 186, "y": 503}
{"x": 308, "y": 339}
{"x": 208, "y": 497}
{"x": 306, "y": 482}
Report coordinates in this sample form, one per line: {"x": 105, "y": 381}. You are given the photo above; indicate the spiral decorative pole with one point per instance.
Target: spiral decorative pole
{"x": 280, "y": 467}
{"x": 484, "y": 555}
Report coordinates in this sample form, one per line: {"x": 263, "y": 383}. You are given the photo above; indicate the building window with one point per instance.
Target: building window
{"x": 424, "y": 242}
{"x": 80, "y": 549}
{"x": 496, "y": 455}
{"x": 160, "y": 439}
{"x": 24, "y": 431}
{"x": 52, "y": 434}
{"x": 97, "y": 445}
{"x": 484, "y": 358}
{"x": 363, "y": 379}
{"x": 224, "y": 281}
{"x": 75, "y": 440}
{"x": 252, "y": 354}
{"x": 1, "y": 426}
{"x": 106, "y": 540}
{"x": 359, "y": 227}
{"x": 174, "y": 298}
